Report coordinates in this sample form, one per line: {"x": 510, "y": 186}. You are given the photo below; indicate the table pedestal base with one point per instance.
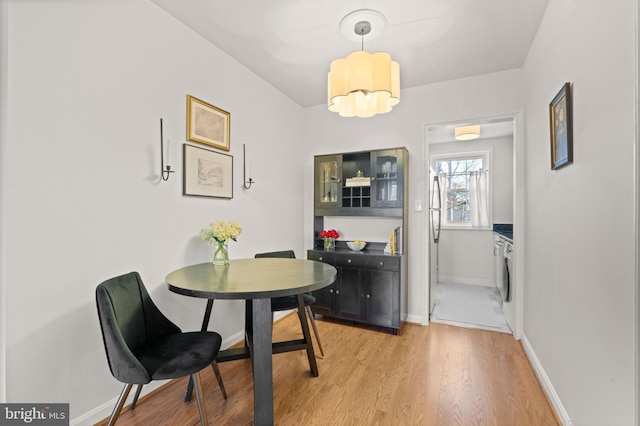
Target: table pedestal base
{"x": 260, "y": 348}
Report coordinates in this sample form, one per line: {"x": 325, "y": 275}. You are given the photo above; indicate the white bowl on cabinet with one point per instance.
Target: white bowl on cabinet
{"x": 356, "y": 246}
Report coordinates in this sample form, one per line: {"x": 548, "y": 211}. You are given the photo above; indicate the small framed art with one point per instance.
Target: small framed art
{"x": 560, "y": 116}
{"x": 207, "y": 173}
{"x": 207, "y": 124}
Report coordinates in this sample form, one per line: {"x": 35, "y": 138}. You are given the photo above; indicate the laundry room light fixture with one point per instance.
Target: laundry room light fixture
{"x": 467, "y": 133}
{"x": 363, "y": 84}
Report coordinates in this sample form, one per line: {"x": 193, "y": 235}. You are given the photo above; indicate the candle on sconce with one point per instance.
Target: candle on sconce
{"x": 165, "y": 171}
{"x": 246, "y": 183}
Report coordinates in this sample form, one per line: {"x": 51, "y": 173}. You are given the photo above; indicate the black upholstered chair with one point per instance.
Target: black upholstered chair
{"x": 290, "y": 302}
{"x": 143, "y": 345}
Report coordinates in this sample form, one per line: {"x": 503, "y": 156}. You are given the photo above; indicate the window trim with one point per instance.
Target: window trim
{"x": 486, "y": 155}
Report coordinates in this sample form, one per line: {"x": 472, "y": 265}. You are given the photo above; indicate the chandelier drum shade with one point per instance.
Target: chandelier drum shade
{"x": 363, "y": 84}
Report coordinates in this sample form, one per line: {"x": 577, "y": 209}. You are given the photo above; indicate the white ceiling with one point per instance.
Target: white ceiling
{"x": 290, "y": 43}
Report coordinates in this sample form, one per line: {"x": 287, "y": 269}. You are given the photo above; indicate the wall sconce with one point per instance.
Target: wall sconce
{"x": 165, "y": 171}
{"x": 244, "y": 171}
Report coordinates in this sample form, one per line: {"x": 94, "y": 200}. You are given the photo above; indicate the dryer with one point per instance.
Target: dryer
{"x": 498, "y": 254}
{"x": 507, "y": 271}
{"x": 503, "y": 253}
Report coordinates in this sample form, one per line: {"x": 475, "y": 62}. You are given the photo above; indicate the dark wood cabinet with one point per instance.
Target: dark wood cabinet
{"x": 371, "y": 285}
{"x": 383, "y": 298}
{"x": 327, "y": 182}
{"x": 349, "y": 303}
{"x": 367, "y": 183}
{"x": 325, "y": 297}
{"x": 370, "y": 288}
{"x": 387, "y": 185}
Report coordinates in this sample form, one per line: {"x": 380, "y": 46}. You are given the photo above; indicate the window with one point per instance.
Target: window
{"x": 465, "y": 192}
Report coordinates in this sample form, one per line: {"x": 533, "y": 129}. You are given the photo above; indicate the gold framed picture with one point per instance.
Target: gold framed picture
{"x": 207, "y": 173}
{"x": 561, "y": 123}
{"x": 207, "y": 124}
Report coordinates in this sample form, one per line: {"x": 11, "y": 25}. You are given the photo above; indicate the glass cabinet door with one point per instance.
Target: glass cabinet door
{"x": 387, "y": 185}
{"x": 328, "y": 178}
{"x": 363, "y": 183}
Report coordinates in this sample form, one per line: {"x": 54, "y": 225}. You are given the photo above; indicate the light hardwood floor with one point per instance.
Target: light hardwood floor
{"x": 434, "y": 375}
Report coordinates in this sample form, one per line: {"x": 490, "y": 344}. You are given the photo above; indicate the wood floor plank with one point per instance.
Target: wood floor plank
{"x": 435, "y": 375}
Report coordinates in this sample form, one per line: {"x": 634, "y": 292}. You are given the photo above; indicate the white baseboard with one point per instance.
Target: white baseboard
{"x": 414, "y": 319}
{"x": 104, "y": 411}
{"x": 232, "y": 340}
{"x": 546, "y": 383}
{"x": 467, "y": 280}
{"x": 280, "y": 314}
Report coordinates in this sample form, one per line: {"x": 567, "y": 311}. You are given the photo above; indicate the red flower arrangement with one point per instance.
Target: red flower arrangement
{"x": 331, "y": 233}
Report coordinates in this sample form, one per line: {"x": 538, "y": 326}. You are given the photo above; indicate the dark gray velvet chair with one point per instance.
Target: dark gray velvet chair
{"x": 290, "y": 302}
{"x": 143, "y": 345}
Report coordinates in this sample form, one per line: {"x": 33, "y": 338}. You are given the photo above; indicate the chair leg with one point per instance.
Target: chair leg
{"x": 116, "y": 410}
{"x": 135, "y": 397}
{"x": 315, "y": 330}
{"x": 202, "y": 409}
{"x": 216, "y": 371}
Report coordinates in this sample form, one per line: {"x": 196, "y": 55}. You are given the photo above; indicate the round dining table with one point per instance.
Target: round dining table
{"x": 257, "y": 281}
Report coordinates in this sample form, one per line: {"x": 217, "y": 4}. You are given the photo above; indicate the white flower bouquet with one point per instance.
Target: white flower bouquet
{"x": 220, "y": 231}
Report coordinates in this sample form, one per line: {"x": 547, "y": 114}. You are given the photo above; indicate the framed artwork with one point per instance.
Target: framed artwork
{"x": 207, "y": 173}
{"x": 560, "y": 116}
{"x": 207, "y": 124}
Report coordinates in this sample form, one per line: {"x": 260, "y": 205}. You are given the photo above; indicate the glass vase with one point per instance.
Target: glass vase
{"x": 221, "y": 253}
{"x": 329, "y": 244}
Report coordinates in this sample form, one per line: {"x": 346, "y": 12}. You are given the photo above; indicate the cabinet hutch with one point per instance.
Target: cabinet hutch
{"x": 371, "y": 285}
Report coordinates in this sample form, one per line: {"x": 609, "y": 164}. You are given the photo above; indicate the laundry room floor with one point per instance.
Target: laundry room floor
{"x": 471, "y": 306}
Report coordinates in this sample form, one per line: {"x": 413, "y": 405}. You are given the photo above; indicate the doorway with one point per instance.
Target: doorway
{"x": 463, "y": 268}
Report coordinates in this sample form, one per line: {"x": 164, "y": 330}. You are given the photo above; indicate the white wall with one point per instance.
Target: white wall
{"x": 580, "y": 253}
{"x": 4, "y": 85}
{"x": 87, "y": 83}
{"x": 81, "y": 202}
{"x": 464, "y": 255}
{"x": 492, "y": 95}
{"x": 369, "y": 229}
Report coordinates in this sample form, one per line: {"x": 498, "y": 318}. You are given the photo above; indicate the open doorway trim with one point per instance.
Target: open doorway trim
{"x": 518, "y": 206}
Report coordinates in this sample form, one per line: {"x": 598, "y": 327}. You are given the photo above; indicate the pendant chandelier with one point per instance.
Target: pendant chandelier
{"x": 363, "y": 84}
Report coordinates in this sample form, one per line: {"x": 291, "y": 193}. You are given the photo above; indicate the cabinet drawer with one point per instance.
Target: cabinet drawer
{"x": 352, "y": 260}
{"x": 321, "y": 256}
{"x": 384, "y": 263}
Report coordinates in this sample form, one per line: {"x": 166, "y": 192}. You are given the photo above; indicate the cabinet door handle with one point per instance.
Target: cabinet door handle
{"x": 321, "y": 258}
{"x": 368, "y": 296}
{"x": 330, "y": 290}
{"x": 381, "y": 263}
{"x": 337, "y": 291}
{"x": 348, "y": 260}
